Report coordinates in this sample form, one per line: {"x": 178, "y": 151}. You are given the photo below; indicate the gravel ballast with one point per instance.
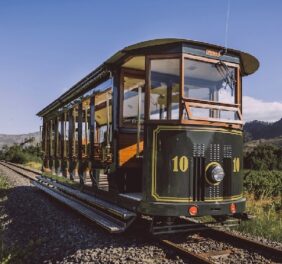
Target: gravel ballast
{"x": 40, "y": 230}
{"x": 37, "y": 229}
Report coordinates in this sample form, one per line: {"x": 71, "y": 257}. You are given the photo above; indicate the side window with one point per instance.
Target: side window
{"x": 53, "y": 138}
{"x": 58, "y": 136}
{"x": 130, "y": 100}
{"x": 103, "y": 120}
{"x": 85, "y": 127}
{"x": 103, "y": 116}
{"x": 75, "y": 137}
{"x": 66, "y": 134}
{"x": 164, "y": 89}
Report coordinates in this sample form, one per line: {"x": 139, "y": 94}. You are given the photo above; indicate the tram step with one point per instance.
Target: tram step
{"x": 104, "y": 205}
{"x": 105, "y": 221}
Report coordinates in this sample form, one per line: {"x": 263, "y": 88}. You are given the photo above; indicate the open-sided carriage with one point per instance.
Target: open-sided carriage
{"x": 156, "y": 129}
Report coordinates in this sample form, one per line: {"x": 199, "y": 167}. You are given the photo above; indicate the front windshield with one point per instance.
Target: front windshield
{"x": 209, "y": 81}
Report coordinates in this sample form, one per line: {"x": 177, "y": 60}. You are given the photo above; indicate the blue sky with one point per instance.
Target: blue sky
{"x": 47, "y": 46}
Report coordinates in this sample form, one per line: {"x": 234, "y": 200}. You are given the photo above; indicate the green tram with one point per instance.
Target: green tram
{"x": 156, "y": 129}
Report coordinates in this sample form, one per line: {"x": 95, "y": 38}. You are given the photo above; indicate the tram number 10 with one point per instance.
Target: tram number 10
{"x": 236, "y": 164}
{"x": 180, "y": 164}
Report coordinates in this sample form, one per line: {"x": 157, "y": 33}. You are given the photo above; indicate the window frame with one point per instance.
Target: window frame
{"x": 191, "y": 102}
{"x": 148, "y": 85}
{"x": 134, "y": 73}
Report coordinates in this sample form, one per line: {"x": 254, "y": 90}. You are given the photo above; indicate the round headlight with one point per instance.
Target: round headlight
{"x": 214, "y": 173}
{"x": 217, "y": 174}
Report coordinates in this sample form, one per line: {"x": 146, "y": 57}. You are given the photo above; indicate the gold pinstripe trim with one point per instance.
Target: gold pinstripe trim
{"x": 154, "y": 159}
{"x": 225, "y": 198}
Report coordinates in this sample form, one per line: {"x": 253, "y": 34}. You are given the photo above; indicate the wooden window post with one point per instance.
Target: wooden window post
{"x": 92, "y": 126}
{"x": 71, "y": 141}
{"x": 80, "y": 121}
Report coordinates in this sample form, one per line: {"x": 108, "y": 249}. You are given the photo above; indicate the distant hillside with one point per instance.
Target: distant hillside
{"x": 12, "y": 139}
{"x": 250, "y": 145}
{"x": 262, "y": 130}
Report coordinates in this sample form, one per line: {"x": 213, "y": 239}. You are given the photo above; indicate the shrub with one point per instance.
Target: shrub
{"x": 19, "y": 154}
{"x": 263, "y": 183}
{"x": 19, "y": 157}
{"x": 264, "y": 157}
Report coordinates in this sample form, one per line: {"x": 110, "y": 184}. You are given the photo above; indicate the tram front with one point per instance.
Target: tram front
{"x": 193, "y": 152}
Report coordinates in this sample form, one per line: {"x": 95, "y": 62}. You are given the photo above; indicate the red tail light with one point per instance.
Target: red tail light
{"x": 193, "y": 210}
{"x": 233, "y": 208}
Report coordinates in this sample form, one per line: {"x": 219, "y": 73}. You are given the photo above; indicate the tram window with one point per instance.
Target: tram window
{"x": 53, "y": 138}
{"x": 85, "y": 127}
{"x": 213, "y": 113}
{"x": 200, "y": 112}
{"x": 209, "y": 81}
{"x": 66, "y": 128}
{"x": 59, "y": 120}
{"x": 164, "y": 90}
{"x": 103, "y": 119}
{"x": 75, "y": 119}
{"x": 229, "y": 115}
{"x": 130, "y": 100}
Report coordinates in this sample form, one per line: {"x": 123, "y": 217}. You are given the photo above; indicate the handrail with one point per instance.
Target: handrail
{"x": 139, "y": 122}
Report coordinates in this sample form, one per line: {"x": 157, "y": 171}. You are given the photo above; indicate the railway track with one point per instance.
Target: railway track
{"x": 233, "y": 245}
{"x": 105, "y": 214}
{"x": 233, "y": 241}
{"x": 28, "y": 173}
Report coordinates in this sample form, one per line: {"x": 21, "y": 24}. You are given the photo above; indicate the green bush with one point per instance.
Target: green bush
{"x": 19, "y": 157}
{"x": 20, "y": 154}
{"x": 263, "y": 183}
{"x": 264, "y": 157}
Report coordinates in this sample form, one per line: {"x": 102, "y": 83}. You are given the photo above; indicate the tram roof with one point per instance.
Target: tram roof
{"x": 249, "y": 64}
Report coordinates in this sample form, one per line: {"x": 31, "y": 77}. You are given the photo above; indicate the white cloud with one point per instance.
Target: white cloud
{"x": 256, "y": 109}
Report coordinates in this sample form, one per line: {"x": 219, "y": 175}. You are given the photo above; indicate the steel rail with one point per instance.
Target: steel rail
{"x": 195, "y": 258}
{"x": 219, "y": 235}
{"x": 24, "y": 168}
{"x": 15, "y": 168}
{"x": 246, "y": 243}
{"x": 113, "y": 218}
{"x": 271, "y": 253}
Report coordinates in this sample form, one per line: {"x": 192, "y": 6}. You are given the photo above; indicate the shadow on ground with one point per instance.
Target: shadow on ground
{"x": 39, "y": 229}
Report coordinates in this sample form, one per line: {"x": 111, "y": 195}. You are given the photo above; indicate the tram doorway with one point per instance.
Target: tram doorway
{"x": 131, "y": 138}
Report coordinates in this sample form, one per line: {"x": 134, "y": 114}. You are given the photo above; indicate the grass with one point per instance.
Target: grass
{"x": 38, "y": 166}
{"x": 34, "y": 165}
{"x": 4, "y": 186}
{"x": 62, "y": 180}
{"x": 268, "y": 221}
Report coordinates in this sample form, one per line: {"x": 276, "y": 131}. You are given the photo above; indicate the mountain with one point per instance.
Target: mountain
{"x": 250, "y": 145}
{"x": 259, "y": 132}
{"x": 262, "y": 130}
{"x": 18, "y": 139}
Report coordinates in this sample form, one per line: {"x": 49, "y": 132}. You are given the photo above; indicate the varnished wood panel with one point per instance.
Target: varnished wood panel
{"x": 128, "y": 148}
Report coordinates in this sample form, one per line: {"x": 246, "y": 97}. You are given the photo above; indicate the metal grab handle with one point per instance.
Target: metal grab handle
{"x": 139, "y": 122}
{"x": 108, "y": 146}
{"x": 108, "y": 121}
